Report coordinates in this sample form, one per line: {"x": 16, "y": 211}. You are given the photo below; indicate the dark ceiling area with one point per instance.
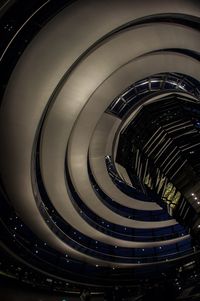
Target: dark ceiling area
{"x": 99, "y": 150}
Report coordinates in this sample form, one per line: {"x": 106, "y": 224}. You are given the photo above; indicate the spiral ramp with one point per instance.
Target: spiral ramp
{"x": 57, "y": 128}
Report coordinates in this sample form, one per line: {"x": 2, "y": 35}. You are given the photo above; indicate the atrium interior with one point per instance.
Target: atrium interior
{"x": 99, "y": 150}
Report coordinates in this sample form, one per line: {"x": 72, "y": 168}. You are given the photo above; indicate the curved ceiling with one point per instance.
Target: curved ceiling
{"x": 56, "y": 130}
